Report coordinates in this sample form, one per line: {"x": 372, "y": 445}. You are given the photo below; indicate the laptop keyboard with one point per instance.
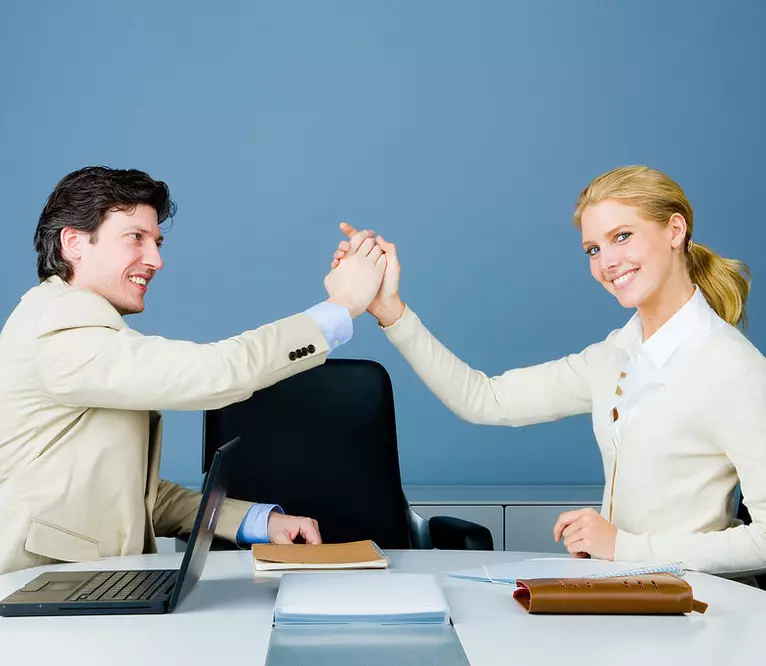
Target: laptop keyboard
{"x": 126, "y": 586}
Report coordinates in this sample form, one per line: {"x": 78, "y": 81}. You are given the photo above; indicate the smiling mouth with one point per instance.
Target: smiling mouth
{"x": 140, "y": 282}
{"x": 625, "y": 279}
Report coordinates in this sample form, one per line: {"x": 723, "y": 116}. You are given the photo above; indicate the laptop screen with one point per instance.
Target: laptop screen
{"x": 213, "y": 495}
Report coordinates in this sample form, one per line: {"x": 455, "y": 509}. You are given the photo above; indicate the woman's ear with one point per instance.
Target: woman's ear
{"x": 677, "y": 228}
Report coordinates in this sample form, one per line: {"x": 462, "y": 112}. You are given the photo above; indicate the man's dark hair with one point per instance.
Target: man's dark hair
{"x": 82, "y": 199}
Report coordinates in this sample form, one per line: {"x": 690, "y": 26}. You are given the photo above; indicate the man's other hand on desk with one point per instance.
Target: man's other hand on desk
{"x": 286, "y": 529}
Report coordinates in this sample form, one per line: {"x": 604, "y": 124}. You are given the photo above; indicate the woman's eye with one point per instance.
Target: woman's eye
{"x": 623, "y": 236}
{"x": 592, "y": 251}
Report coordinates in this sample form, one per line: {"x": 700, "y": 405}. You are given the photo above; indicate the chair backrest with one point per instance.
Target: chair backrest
{"x": 322, "y": 444}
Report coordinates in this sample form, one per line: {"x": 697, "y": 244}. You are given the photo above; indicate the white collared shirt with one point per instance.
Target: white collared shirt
{"x": 651, "y": 363}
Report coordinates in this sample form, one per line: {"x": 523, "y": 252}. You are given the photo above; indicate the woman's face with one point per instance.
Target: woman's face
{"x": 630, "y": 256}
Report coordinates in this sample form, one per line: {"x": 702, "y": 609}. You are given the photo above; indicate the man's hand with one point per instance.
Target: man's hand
{"x": 286, "y": 529}
{"x": 386, "y": 307}
{"x": 355, "y": 283}
{"x": 585, "y": 532}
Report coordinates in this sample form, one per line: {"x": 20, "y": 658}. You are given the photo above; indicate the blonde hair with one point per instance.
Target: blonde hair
{"x": 725, "y": 283}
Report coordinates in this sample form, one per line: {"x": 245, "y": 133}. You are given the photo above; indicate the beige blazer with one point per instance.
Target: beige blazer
{"x": 80, "y": 436}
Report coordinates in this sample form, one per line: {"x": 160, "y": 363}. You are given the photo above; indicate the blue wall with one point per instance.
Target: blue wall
{"x": 463, "y": 131}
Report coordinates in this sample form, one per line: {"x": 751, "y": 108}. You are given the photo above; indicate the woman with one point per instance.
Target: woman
{"x": 678, "y": 395}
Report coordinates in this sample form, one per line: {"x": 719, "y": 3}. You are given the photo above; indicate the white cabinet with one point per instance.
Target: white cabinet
{"x": 519, "y": 517}
{"x": 490, "y": 516}
{"x": 530, "y": 528}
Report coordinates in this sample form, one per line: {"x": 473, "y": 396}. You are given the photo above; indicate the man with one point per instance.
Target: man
{"x": 80, "y": 433}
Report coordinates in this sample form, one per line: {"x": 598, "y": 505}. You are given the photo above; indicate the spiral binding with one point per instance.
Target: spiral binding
{"x": 675, "y": 568}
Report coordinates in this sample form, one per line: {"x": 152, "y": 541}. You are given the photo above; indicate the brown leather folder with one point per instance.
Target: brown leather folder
{"x": 648, "y": 594}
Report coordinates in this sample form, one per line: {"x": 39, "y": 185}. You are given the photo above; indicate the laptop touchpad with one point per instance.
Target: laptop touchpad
{"x": 35, "y": 585}
{"x": 62, "y": 585}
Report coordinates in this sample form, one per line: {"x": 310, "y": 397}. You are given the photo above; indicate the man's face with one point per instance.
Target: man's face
{"x": 123, "y": 259}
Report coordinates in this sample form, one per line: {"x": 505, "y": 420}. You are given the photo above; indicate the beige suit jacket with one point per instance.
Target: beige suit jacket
{"x": 80, "y": 432}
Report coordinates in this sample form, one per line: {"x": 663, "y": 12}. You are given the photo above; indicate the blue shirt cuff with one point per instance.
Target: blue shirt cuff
{"x": 335, "y": 322}
{"x": 255, "y": 525}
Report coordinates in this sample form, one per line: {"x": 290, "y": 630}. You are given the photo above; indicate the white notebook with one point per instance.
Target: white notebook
{"x": 369, "y": 597}
{"x": 555, "y": 567}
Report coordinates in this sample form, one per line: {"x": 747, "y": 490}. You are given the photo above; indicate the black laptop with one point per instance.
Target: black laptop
{"x": 128, "y": 592}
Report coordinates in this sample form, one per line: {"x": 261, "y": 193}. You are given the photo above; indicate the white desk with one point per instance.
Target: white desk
{"x": 227, "y": 616}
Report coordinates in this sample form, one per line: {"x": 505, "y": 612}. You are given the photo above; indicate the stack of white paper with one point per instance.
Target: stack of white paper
{"x": 360, "y": 597}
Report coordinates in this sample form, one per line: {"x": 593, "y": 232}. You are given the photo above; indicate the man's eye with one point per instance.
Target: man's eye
{"x": 592, "y": 250}
{"x": 136, "y": 235}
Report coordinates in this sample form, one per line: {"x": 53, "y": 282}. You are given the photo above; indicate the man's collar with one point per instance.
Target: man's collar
{"x": 55, "y": 280}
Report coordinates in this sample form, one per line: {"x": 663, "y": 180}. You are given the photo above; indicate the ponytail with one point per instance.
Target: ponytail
{"x": 725, "y": 283}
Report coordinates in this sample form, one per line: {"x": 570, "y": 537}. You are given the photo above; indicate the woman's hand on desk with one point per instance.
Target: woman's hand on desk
{"x": 386, "y": 307}
{"x": 585, "y": 531}
{"x": 286, "y": 529}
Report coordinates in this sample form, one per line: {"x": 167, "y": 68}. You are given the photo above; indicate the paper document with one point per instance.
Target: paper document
{"x": 351, "y": 555}
{"x": 554, "y": 567}
{"x": 351, "y": 597}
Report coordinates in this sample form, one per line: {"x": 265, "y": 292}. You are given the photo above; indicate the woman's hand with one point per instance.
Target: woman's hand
{"x": 386, "y": 307}
{"x": 585, "y": 532}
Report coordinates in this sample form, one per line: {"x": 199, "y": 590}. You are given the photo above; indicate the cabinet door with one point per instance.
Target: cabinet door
{"x": 489, "y": 516}
{"x": 529, "y": 528}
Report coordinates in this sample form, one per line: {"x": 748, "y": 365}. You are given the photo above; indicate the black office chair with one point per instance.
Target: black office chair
{"x": 744, "y": 515}
{"x": 323, "y": 444}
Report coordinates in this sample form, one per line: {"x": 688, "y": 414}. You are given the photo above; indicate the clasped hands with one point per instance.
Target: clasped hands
{"x": 364, "y": 275}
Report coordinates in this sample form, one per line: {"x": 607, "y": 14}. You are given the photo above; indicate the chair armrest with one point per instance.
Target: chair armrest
{"x": 448, "y": 533}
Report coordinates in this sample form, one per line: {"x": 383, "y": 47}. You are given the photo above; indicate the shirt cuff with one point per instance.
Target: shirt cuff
{"x": 255, "y": 525}
{"x": 335, "y": 322}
